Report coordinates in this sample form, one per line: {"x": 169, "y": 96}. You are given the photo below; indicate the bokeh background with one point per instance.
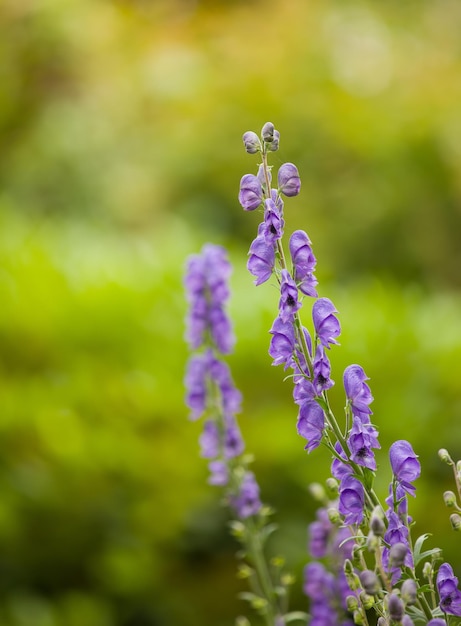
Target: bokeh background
{"x": 121, "y": 153}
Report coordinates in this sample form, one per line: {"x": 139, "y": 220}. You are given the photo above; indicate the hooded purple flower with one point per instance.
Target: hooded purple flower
{"x": 326, "y": 324}
{"x": 282, "y": 342}
{"x": 196, "y": 384}
{"x": 247, "y": 502}
{"x": 339, "y": 469}
{"x": 219, "y": 473}
{"x": 396, "y": 533}
{"x": 220, "y": 373}
{"x": 233, "y": 442}
{"x": 362, "y": 438}
{"x": 319, "y": 534}
{"x": 261, "y": 257}
{"x": 209, "y": 440}
{"x": 358, "y": 392}
{"x": 251, "y": 193}
{"x": 251, "y": 142}
{"x": 304, "y": 263}
{"x": 311, "y": 423}
{"x": 351, "y": 500}
{"x": 449, "y": 594}
{"x": 319, "y": 587}
{"x": 405, "y": 465}
{"x": 288, "y": 179}
{"x": 289, "y": 303}
{"x": 303, "y": 391}
{"x": 322, "y": 370}
{"x": 273, "y": 222}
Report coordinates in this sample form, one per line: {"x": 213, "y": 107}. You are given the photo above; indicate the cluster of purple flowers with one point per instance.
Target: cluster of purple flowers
{"x": 362, "y": 554}
{"x": 210, "y": 390}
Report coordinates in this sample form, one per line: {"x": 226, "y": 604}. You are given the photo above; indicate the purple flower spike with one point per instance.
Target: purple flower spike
{"x": 326, "y": 324}
{"x": 288, "y": 179}
{"x": 251, "y": 193}
{"x": 447, "y": 586}
{"x": 233, "y": 442}
{"x": 282, "y": 342}
{"x": 311, "y": 423}
{"x": 219, "y": 473}
{"x": 209, "y": 440}
{"x": 273, "y": 222}
{"x": 289, "y": 303}
{"x": 358, "y": 392}
{"x": 351, "y": 500}
{"x": 405, "y": 465}
{"x": 247, "y": 502}
{"x": 261, "y": 259}
{"x": 304, "y": 262}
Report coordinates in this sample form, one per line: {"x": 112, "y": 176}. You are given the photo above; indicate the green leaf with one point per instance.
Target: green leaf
{"x": 296, "y": 616}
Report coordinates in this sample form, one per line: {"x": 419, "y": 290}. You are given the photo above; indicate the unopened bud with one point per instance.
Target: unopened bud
{"x": 333, "y": 515}
{"x": 358, "y": 618}
{"x": 427, "y": 570}
{"x": 267, "y": 132}
{"x": 317, "y": 491}
{"x": 332, "y": 487}
{"x": 458, "y": 469}
{"x": 395, "y": 607}
{"x": 242, "y": 621}
{"x": 377, "y": 525}
{"x": 397, "y": 554}
{"x": 449, "y": 498}
{"x": 370, "y": 582}
{"x": 356, "y": 555}
{"x": 251, "y": 142}
{"x": 455, "y": 521}
{"x": 352, "y": 603}
{"x": 408, "y": 592}
{"x": 367, "y": 601}
{"x": 445, "y": 457}
{"x": 372, "y": 541}
{"x": 382, "y": 622}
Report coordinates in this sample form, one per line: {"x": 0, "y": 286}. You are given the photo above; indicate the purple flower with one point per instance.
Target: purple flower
{"x": 319, "y": 534}
{"x": 209, "y": 440}
{"x": 319, "y": 585}
{"x": 219, "y": 473}
{"x": 247, "y": 502}
{"x": 288, "y": 179}
{"x": 282, "y": 342}
{"x": 221, "y": 330}
{"x": 261, "y": 258}
{"x": 311, "y": 423}
{"x": 362, "y": 438}
{"x": 195, "y": 383}
{"x": 220, "y": 373}
{"x": 251, "y": 142}
{"x": 358, "y": 392}
{"x": 447, "y": 586}
{"x": 322, "y": 370}
{"x": 251, "y": 193}
{"x": 233, "y": 442}
{"x": 273, "y": 222}
{"x": 304, "y": 263}
{"x": 351, "y": 500}
{"x": 289, "y": 303}
{"x": 396, "y": 533}
{"x": 326, "y": 324}
{"x": 405, "y": 465}
{"x": 303, "y": 391}
{"x": 437, "y": 621}
{"x": 267, "y": 132}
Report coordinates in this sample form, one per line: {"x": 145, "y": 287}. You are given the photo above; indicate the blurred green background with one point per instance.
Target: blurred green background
{"x": 121, "y": 153}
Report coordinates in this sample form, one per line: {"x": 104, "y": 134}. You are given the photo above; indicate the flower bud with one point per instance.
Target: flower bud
{"x": 367, "y": 601}
{"x": 288, "y": 179}
{"x": 332, "y": 487}
{"x": 334, "y": 516}
{"x": 445, "y": 457}
{"x": 395, "y": 607}
{"x": 373, "y": 542}
{"x": 408, "y": 591}
{"x": 352, "y": 603}
{"x": 382, "y": 622}
{"x": 242, "y": 621}
{"x": 455, "y": 521}
{"x": 267, "y": 132}
{"x": 370, "y": 582}
{"x": 317, "y": 491}
{"x": 251, "y": 142}
{"x": 458, "y": 469}
{"x": 358, "y": 618}
{"x": 427, "y": 570}
{"x": 397, "y": 554}
{"x": 377, "y": 525}
{"x": 449, "y": 498}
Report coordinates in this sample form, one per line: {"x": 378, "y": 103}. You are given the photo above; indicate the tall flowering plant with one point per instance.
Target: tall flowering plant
{"x": 365, "y": 567}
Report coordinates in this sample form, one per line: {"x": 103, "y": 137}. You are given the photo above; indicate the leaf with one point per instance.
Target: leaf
{"x": 296, "y": 616}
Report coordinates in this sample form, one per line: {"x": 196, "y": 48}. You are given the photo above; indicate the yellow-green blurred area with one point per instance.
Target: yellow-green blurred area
{"x": 121, "y": 153}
